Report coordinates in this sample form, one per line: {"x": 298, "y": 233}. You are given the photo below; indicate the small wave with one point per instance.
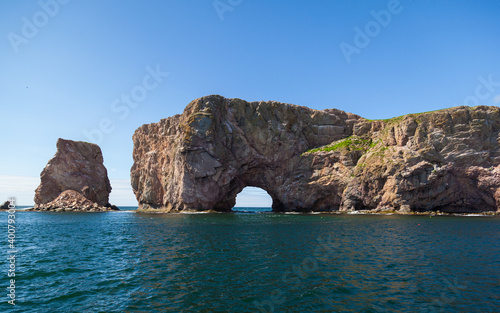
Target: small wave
{"x": 250, "y": 212}
{"x": 474, "y": 215}
{"x": 357, "y": 213}
{"x": 307, "y": 213}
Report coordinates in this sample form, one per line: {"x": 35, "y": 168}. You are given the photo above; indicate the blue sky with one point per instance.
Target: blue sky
{"x": 67, "y": 67}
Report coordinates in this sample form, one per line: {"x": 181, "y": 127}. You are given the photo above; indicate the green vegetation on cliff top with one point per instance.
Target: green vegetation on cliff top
{"x": 352, "y": 143}
{"x": 401, "y": 117}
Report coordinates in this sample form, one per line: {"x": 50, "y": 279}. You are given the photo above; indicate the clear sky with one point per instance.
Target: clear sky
{"x": 96, "y": 70}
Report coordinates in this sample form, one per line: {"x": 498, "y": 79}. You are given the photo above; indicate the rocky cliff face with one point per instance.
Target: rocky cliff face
{"x": 74, "y": 178}
{"x": 309, "y": 160}
{"x": 446, "y": 160}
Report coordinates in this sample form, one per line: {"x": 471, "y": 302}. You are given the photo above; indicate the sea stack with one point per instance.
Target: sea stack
{"x": 309, "y": 160}
{"x": 75, "y": 179}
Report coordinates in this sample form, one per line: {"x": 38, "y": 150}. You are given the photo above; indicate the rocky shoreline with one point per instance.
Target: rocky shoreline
{"x": 72, "y": 201}
{"x": 362, "y": 212}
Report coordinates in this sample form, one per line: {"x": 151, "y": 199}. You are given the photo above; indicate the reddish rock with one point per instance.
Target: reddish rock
{"x": 309, "y": 160}
{"x": 202, "y": 159}
{"x": 71, "y": 200}
{"x": 76, "y": 167}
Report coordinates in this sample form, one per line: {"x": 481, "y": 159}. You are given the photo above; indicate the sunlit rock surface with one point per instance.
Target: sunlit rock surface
{"x": 310, "y": 160}
{"x": 74, "y": 179}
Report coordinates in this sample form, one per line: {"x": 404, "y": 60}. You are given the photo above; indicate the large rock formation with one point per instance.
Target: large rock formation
{"x": 74, "y": 179}
{"x": 309, "y": 160}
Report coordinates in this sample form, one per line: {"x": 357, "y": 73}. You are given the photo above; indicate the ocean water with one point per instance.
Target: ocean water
{"x": 251, "y": 261}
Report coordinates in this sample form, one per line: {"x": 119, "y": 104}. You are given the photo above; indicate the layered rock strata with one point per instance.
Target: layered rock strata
{"x": 310, "y": 160}
{"x": 75, "y": 179}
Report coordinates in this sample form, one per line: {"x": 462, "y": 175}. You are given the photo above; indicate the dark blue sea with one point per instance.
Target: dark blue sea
{"x": 250, "y": 261}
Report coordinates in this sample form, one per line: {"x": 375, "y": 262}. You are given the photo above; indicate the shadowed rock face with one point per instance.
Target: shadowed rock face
{"x": 309, "y": 160}
{"x": 76, "y": 166}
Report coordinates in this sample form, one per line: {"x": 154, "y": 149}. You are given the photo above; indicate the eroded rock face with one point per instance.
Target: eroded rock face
{"x": 446, "y": 160}
{"x": 309, "y": 160}
{"x": 76, "y": 172}
{"x": 202, "y": 159}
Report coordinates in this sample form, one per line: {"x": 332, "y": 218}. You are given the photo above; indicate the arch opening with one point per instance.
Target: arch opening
{"x": 253, "y": 200}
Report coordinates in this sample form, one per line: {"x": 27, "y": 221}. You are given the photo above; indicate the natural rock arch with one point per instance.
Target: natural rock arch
{"x": 254, "y": 198}
{"x": 230, "y": 199}
{"x": 202, "y": 159}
